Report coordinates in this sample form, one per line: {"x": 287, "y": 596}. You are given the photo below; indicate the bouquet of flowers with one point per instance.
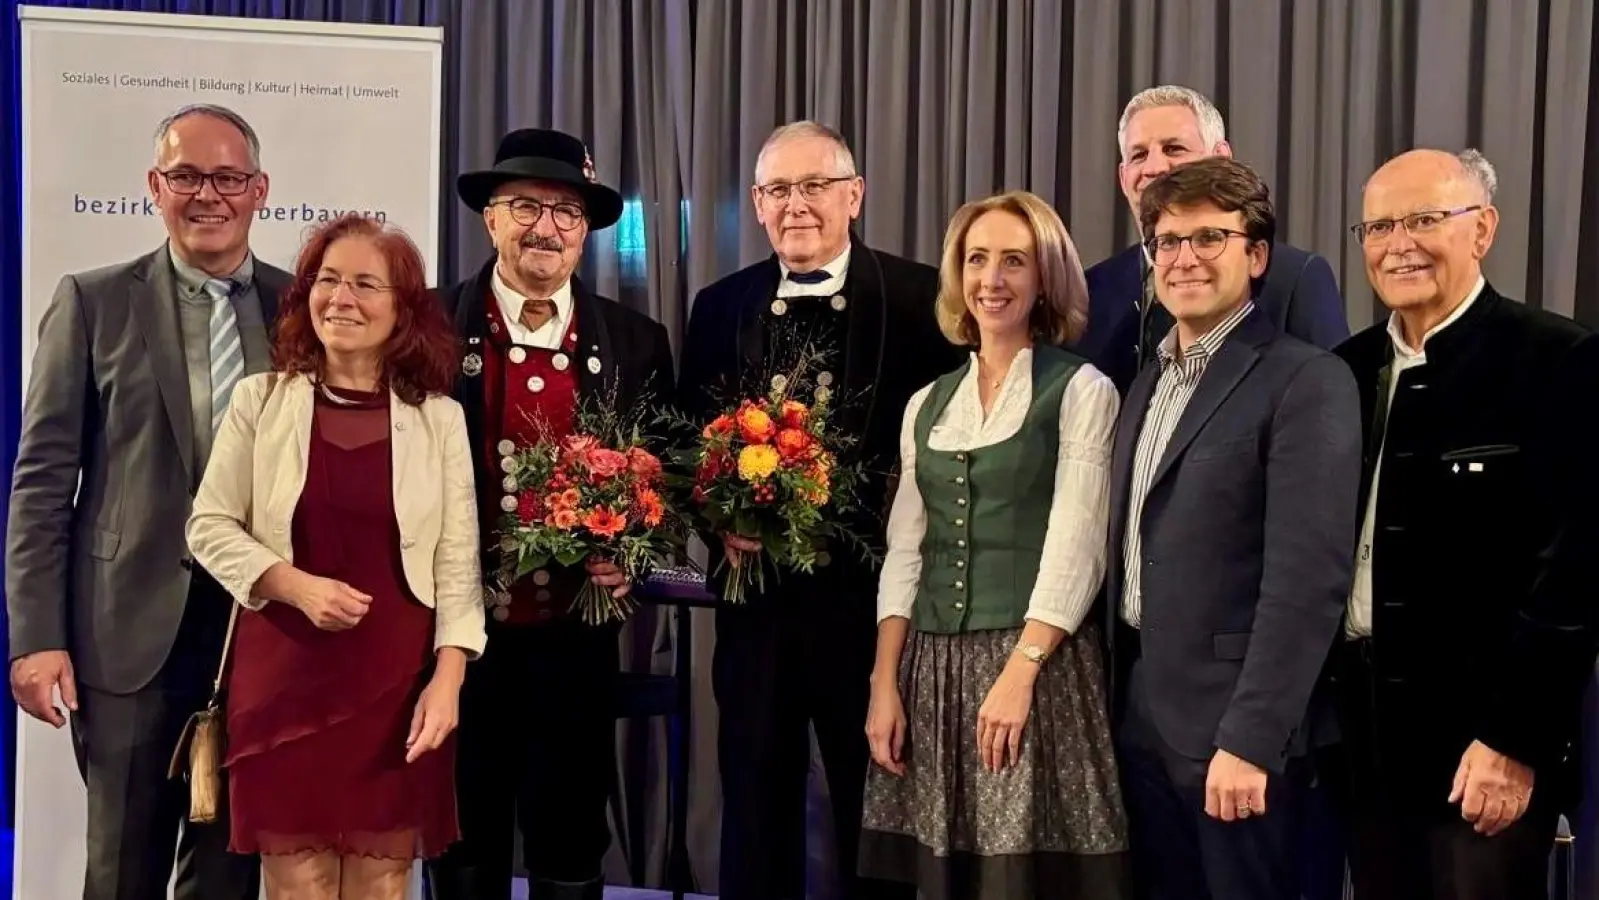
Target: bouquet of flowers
{"x": 767, "y": 468}
{"x": 597, "y": 492}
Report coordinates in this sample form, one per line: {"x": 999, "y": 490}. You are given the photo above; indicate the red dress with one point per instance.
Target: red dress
{"x": 317, "y": 720}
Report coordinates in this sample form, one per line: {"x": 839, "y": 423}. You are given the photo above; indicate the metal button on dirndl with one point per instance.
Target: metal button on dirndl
{"x": 518, "y": 355}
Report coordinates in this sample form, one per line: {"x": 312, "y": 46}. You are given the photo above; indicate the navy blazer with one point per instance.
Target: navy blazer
{"x": 1248, "y": 535}
{"x": 1297, "y": 293}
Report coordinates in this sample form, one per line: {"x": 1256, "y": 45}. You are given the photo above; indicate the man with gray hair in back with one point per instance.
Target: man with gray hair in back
{"x": 134, "y": 368}
{"x": 799, "y": 655}
{"x": 1167, "y": 126}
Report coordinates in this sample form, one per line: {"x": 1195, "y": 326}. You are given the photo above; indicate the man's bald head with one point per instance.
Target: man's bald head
{"x": 1427, "y": 221}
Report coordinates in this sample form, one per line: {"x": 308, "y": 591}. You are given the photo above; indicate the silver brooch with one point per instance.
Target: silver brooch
{"x": 472, "y": 365}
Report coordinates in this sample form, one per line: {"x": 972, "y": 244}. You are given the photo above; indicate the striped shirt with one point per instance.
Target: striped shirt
{"x": 1177, "y": 380}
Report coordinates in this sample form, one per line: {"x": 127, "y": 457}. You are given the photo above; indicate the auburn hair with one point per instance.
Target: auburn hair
{"x": 419, "y": 357}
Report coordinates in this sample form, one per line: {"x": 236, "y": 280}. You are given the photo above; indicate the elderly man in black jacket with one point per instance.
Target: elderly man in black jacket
{"x": 1472, "y": 631}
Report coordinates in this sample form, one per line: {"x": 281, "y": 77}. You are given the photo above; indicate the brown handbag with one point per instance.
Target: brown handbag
{"x": 203, "y": 744}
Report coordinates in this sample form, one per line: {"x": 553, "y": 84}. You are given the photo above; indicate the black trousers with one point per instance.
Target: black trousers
{"x": 536, "y": 750}
{"x": 1402, "y": 847}
{"x": 1179, "y": 852}
{"x": 138, "y": 817}
{"x": 780, "y": 670}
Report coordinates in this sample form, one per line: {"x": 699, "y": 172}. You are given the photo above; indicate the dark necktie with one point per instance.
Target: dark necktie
{"x": 816, "y": 277}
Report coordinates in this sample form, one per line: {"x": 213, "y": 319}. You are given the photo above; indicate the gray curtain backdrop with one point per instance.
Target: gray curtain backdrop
{"x": 947, "y": 100}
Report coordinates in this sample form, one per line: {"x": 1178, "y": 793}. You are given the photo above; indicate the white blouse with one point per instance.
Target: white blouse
{"x": 1073, "y": 563}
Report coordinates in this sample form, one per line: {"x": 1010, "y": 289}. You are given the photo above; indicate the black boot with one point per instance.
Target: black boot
{"x": 545, "y": 889}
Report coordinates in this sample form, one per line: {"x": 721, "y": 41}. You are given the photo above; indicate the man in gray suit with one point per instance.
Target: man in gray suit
{"x": 1233, "y": 497}
{"x": 134, "y": 368}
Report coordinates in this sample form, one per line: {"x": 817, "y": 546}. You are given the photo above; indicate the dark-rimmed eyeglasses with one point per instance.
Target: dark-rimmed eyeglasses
{"x": 1207, "y": 244}
{"x": 527, "y": 211}
{"x": 810, "y": 188}
{"x": 188, "y": 181}
{"x": 1378, "y": 231}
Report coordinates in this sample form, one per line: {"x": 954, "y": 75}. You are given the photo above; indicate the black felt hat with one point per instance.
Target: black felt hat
{"x": 544, "y": 155}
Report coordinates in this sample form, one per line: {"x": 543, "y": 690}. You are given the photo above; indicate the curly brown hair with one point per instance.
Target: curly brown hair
{"x": 419, "y": 357}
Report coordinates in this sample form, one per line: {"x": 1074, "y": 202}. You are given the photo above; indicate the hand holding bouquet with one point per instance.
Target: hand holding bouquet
{"x": 767, "y": 469}
{"x": 595, "y": 494}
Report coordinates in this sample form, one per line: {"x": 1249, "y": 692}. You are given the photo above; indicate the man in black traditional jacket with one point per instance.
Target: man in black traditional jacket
{"x": 1472, "y": 630}
{"x": 799, "y": 656}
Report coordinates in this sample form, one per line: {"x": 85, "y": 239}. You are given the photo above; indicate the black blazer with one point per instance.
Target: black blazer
{"x": 1485, "y": 574}
{"x": 1247, "y": 538}
{"x": 634, "y": 351}
{"x": 893, "y": 348}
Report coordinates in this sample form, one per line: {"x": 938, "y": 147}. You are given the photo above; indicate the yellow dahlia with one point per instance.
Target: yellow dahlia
{"x": 757, "y": 461}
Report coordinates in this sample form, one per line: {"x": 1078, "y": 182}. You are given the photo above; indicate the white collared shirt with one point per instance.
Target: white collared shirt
{"x": 837, "y": 271}
{"x": 1358, "y": 623}
{"x": 550, "y": 335}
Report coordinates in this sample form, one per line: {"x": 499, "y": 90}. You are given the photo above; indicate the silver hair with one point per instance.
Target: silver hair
{"x": 843, "y": 159}
{"x": 1481, "y": 171}
{"x": 1212, "y": 130}
{"x": 215, "y": 112}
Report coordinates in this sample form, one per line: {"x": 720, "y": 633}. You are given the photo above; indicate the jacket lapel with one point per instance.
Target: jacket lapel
{"x": 863, "y": 341}
{"x": 154, "y": 300}
{"x": 1236, "y": 356}
{"x": 596, "y": 354}
{"x": 1126, "y": 442}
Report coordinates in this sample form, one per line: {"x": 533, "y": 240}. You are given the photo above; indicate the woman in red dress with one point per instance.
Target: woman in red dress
{"x": 362, "y": 599}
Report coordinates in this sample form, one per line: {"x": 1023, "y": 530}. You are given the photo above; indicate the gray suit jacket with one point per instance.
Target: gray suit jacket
{"x": 101, "y": 569}
{"x": 1248, "y": 536}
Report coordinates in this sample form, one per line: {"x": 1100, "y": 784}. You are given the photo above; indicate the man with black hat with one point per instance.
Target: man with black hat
{"x": 536, "y": 742}
{"x": 799, "y": 657}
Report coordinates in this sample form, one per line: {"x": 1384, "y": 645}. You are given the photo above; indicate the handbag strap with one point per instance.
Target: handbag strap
{"x": 227, "y": 649}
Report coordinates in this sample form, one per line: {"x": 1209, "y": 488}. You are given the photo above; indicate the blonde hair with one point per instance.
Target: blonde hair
{"x": 1061, "y": 313}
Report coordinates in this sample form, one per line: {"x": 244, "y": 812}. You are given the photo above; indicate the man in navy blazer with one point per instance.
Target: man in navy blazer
{"x": 1164, "y": 127}
{"x": 1233, "y": 496}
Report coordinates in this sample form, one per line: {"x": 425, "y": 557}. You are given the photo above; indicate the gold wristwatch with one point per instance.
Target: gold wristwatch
{"x": 1033, "y": 653}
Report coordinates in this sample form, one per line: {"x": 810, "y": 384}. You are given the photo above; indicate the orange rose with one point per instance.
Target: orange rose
{"x": 793, "y": 414}
{"x": 607, "y": 463}
{"x": 643, "y": 463}
{"x": 605, "y": 523}
{"x": 755, "y": 425}
{"x": 793, "y": 443}
{"x": 721, "y": 426}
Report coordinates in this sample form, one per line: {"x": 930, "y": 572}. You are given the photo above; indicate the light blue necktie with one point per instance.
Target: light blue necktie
{"x": 227, "y": 354}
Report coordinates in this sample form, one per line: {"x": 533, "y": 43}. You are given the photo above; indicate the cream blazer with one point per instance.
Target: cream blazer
{"x": 240, "y": 524}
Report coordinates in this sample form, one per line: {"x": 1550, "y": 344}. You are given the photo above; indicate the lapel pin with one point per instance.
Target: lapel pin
{"x": 594, "y": 364}
{"x": 472, "y": 364}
